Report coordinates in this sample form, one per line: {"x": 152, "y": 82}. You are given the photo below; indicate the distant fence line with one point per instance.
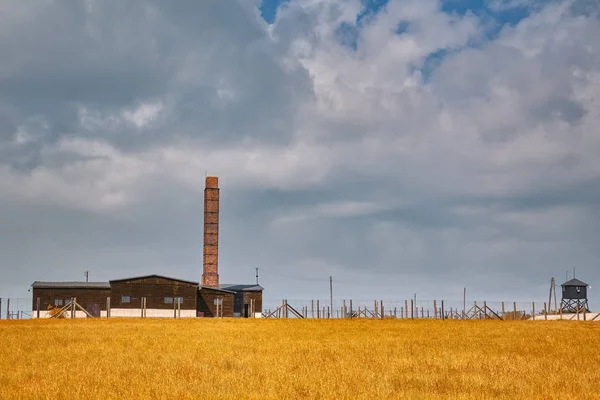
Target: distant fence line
{"x": 421, "y": 309}
{"x": 21, "y": 308}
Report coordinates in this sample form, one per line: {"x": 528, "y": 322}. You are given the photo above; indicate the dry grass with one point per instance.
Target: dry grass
{"x": 288, "y": 359}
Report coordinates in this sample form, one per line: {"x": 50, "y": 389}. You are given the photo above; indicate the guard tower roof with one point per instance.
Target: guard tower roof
{"x": 575, "y": 282}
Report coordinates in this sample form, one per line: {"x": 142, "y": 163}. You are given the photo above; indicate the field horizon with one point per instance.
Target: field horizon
{"x": 321, "y": 359}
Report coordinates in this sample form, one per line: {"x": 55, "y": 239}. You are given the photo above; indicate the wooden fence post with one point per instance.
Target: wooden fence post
{"x": 560, "y": 311}
{"x": 533, "y": 310}
{"x": 382, "y": 311}
{"x": 545, "y": 312}
{"x": 318, "y": 310}
{"x": 485, "y": 315}
{"x": 8, "y": 308}
{"x": 351, "y": 309}
{"x": 515, "y": 310}
{"x": 435, "y": 309}
{"x": 73, "y": 309}
{"x": 443, "y": 316}
{"x": 406, "y": 308}
{"x": 37, "y": 308}
{"x": 108, "y": 307}
{"x": 412, "y": 309}
{"x": 428, "y": 313}
{"x": 312, "y": 308}
{"x": 0, "y": 308}
{"x": 503, "y": 311}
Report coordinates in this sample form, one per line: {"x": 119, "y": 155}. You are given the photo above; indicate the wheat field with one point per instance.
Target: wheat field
{"x": 297, "y": 359}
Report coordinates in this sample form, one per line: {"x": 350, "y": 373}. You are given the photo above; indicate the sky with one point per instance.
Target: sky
{"x": 401, "y": 146}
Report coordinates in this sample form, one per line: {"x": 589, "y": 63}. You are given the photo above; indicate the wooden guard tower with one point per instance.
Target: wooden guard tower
{"x": 574, "y": 296}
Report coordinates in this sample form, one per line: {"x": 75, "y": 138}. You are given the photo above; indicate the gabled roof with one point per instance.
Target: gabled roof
{"x": 574, "y": 282}
{"x": 70, "y": 285}
{"x": 154, "y": 276}
{"x": 241, "y": 288}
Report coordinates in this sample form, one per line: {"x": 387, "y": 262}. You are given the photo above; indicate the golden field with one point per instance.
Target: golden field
{"x": 289, "y": 359}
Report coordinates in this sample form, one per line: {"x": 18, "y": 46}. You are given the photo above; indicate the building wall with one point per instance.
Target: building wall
{"x": 88, "y": 298}
{"x": 570, "y": 292}
{"x": 206, "y": 304}
{"x": 257, "y": 297}
{"x": 155, "y": 290}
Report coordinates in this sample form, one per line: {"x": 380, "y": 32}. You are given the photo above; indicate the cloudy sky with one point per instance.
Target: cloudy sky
{"x": 403, "y": 146}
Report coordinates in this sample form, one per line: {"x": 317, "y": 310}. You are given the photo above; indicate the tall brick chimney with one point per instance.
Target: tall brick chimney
{"x": 210, "y": 276}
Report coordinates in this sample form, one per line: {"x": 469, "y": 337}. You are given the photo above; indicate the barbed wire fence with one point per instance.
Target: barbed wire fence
{"x": 15, "y": 308}
{"x": 419, "y": 309}
{"x": 321, "y": 308}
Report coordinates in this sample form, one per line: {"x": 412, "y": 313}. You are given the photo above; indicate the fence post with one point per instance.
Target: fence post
{"x": 178, "y": 308}
{"x": 73, "y": 309}
{"x": 515, "y": 310}
{"x": 428, "y": 313}
{"x": 533, "y": 310}
{"x": 318, "y": 310}
{"x": 435, "y": 309}
{"x": 584, "y": 313}
{"x": 8, "y": 308}
{"x": 412, "y": 309}
{"x": 350, "y": 308}
{"x": 0, "y": 307}
{"x": 382, "y": 311}
{"x": 108, "y": 307}
{"x": 485, "y": 310}
{"x": 560, "y": 311}
{"x": 37, "y": 308}
{"x": 545, "y": 312}
{"x": 443, "y": 316}
{"x": 503, "y": 311}
{"x": 422, "y": 313}
{"x": 312, "y": 308}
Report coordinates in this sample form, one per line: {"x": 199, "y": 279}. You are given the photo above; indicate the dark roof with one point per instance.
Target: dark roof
{"x": 133, "y": 278}
{"x": 215, "y": 289}
{"x": 70, "y": 285}
{"x": 241, "y": 288}
{"x": 574, "y": 282}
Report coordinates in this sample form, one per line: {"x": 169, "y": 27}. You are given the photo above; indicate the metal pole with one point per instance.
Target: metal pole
{"x": 331, "y": 293}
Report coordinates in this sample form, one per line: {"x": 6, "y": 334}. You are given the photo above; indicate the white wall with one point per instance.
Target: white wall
{"x": 150, "y": 313}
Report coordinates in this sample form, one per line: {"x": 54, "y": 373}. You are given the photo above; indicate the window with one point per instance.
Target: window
{"x": 125, "y": 299}
{"x": 58, "y": 302}
{"x": 578, "y": 289}
{"x": 67, "y": 302}
{"x": 171, "y": 300}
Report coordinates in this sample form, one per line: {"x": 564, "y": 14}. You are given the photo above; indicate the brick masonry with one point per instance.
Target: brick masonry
{"x": 210, "y": 275}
